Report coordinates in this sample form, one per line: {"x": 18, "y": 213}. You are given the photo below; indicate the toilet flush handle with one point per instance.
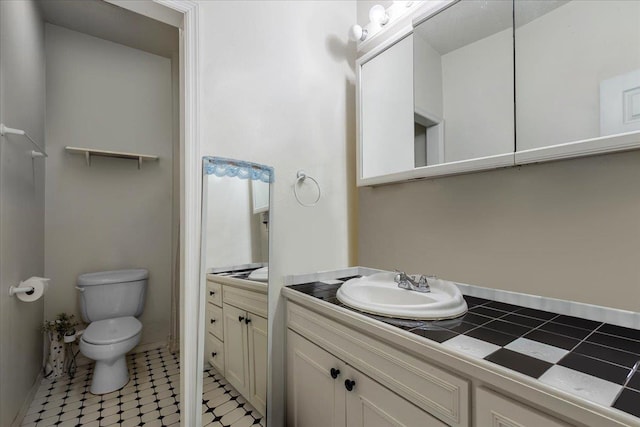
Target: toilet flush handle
{"x": 80, "y": 289}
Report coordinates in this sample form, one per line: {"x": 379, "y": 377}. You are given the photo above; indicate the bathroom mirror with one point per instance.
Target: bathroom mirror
{"x": 440, "y": 99}
{"x": 577, "y": 77}
{"x": 235, "y": 259}
{"x": 463, "y": 83}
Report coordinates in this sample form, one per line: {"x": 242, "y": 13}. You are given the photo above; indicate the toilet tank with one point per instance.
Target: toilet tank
{"x": 109, "y": 294}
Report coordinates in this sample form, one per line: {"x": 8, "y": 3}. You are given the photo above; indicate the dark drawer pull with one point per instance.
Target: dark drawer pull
{"x": 214, "y": 354}
{"x": 213, "y": 320}
{"x": 211, "y": 293}
{"x": 240, "y": 318}
{"x": 334, "y": 373}
{"x": 349, "y": 384}
{"x": 247, "y": 321}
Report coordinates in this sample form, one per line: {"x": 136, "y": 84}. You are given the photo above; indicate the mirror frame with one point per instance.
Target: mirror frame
{"x": 221, "y": 166}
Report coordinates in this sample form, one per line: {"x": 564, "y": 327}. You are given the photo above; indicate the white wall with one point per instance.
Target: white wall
{"x": 427, "y": 77}
{"x": 22, "y": 103}
{"x": 277, "y": 88}
{"x": 477, "y": 86}
{"x": 110, "y": 215}
{"x": 583, "y": 42}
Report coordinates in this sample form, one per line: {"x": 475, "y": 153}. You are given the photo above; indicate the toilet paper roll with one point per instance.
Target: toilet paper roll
{"x": 39, "y": 285}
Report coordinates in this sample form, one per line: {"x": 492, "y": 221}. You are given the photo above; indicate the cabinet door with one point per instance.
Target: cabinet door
{"x": 370, "y": 404}
{"x": 314, "y": 397}
{"x": 495, "y": 410}
{"x": 257, "y": 335}
{"x": 236, "y": 369}
{"x": 215, "y": 352}
{"x": 214, "y": 321}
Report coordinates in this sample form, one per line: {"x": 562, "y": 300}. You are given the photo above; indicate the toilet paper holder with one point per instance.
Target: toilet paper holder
{"x": 20, "y": 290}
{"x": 28, "y": 287}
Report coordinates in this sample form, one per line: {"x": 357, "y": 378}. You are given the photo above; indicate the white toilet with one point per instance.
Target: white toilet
{"x": 111, "y": 301}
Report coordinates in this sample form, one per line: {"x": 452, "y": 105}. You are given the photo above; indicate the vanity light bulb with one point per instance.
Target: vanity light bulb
{"x": 378, "y": 15}
{"x": 357, "y": 33}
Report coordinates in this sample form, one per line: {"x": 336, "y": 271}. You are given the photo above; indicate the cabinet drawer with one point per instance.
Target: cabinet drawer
{"x": 215, "y": 353}
{"x": 495, "y": 410}
{"x": 214, "y": 321}
{"x": 253, "y": 302}
{"x": 443, "y": 395}
{"x": 214, "y": 293}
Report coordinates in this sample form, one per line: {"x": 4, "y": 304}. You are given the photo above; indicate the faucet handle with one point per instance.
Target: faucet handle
{"x": 400, "y": 277}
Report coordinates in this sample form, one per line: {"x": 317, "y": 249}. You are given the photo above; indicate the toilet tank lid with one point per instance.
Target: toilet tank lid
{"x": 114, "y": 276}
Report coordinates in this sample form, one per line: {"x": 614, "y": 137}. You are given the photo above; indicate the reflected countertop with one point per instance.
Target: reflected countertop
{"x": 249, "y": 285}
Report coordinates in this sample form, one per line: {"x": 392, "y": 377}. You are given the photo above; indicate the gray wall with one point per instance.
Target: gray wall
{"x": 567, "y": 229}
{"x": 111, "y": 215}
{"x": 22, "y": 105}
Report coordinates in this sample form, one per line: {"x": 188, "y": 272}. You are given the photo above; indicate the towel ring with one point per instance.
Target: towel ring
{"x": 301, "y": 177}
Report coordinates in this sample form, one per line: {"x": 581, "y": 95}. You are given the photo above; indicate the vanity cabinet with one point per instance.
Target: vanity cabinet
{"x": 214, "y": 346}
{"x": 325, "y": 391}
{"x": 495, "y": 410}
{"x": 389, "y": 383}
{"x": 245, "y": 344}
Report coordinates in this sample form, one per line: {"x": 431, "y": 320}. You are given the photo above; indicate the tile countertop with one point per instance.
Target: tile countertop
{"x": 238, "y": 277}
{"x": 594, "y": 360}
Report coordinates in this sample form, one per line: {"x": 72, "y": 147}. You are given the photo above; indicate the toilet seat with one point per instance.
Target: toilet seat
{"x": 112, "y": 331}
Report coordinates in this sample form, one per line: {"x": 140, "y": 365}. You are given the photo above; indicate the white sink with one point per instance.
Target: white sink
{"x": 379, "y": 294}
{"x": 260, "y": 275}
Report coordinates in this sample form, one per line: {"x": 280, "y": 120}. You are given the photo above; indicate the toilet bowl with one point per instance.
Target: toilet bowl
{"x": 107, "y": 342}
{"x": 111, "y": 301}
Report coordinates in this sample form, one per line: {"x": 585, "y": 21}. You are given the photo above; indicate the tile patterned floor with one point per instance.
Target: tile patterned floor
{"x": 597, "y": 361}
{"x": 150, "y": 399}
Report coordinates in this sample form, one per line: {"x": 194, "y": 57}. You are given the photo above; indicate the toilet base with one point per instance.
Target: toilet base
{"x": 109, "y": 375}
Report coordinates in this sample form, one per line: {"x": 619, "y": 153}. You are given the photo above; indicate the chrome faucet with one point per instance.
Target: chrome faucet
{"x": 405, "y": 281}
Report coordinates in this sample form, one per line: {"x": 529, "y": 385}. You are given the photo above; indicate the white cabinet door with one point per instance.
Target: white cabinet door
{"x": 314, "y": 397}
{"x": 257, "y": 336}
{"x": 386, "y": 111}
{"x": 236, "y": 369}
{"x": 214, "y": 321}
{"x": 215, "y": 352}
{"x": 495, "y": 410}
{"x": 370, "y": 404}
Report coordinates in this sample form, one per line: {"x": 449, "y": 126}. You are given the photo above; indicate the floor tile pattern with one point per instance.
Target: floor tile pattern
{"x": 151, "y": 398}
{"x": 595, "y": 360}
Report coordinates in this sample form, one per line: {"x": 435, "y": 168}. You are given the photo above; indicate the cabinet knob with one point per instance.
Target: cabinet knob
{"x": 213, "y": 354}
{"x": 213, "y": 320}
{"x": 334, "y": 373}
{"x": 240, "y": 318}
{"x": 349, "y": 384}
{"x": 247, "y": 321}
{"x": 211, "y": 293}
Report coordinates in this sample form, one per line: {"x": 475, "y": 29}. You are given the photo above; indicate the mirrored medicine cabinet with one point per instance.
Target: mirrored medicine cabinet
{"x": 475, "y": 85}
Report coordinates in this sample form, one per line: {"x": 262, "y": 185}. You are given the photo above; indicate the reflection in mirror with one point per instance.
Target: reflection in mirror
{"x": 235, "y": 245}
{"x": 463, "y": 83}
{"x": 577, "y": 70}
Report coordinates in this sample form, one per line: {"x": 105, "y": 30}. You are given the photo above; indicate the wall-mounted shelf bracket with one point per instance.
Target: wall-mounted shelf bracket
{"x": 89, "y": 152}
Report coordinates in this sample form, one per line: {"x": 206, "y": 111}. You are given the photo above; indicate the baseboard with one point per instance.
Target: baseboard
{"x": 17, "y": 421}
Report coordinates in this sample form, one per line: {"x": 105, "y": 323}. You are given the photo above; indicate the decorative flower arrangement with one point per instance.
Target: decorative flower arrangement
{"x": 64, "y": 324}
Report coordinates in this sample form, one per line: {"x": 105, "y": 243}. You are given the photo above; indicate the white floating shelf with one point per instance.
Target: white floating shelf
{"x": 88, "y": 152}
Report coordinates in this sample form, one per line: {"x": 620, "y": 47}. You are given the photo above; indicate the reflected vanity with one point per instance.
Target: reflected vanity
{"x": 235, "y": 257}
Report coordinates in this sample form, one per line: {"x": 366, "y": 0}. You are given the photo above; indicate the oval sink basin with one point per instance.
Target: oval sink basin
{"x": 260, "y": 275}
{"x": 379, "y": 294}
